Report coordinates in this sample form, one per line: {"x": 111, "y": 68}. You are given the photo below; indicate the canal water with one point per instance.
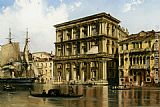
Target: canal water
{"x": 94, "y": 96}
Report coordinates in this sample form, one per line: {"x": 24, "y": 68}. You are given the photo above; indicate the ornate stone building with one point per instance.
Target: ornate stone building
{"x": 43, "y": 61}
{"x": 139, "y": 58}
{"x": 84, "y": 47}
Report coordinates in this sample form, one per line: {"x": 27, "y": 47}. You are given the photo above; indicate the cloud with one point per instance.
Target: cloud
{"x": 78, "y": 4}
{"x": 131, "y": 4}
{"x": 75, "y": 5}
{"x": 61, "y": 1}
{"x": 35, "y": 15}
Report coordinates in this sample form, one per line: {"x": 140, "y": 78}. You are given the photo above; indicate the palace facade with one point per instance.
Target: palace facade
{"x": 139, "y": 58}
{"x": 85, "y": 48}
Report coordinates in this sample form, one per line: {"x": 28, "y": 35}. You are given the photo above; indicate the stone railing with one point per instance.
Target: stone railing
{"x": 141, "y": 66}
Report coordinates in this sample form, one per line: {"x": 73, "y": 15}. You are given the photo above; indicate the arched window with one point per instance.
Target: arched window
{"x": 134, "y": 60}
{"x": 140, "y": 60}
{"x": 137, "y": 60}
{"x": 144, "y": 60}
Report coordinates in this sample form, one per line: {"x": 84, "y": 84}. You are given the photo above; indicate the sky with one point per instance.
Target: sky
{"x": 39, "y": 16}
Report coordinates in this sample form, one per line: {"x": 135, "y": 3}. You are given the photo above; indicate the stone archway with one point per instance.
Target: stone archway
{"x": 139, "y": 78}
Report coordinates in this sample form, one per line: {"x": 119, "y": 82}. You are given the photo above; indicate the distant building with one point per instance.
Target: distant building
{"x": 84, "y": 47}
{"x": 139, "y": 58}
{"x": 44, "y": 63}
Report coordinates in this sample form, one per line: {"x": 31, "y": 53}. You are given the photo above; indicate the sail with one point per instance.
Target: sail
{"x": 10, "y": 53}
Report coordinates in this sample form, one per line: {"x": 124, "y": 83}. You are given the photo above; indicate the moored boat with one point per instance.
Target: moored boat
{"x": 120, "y": 87}
{"x": 16, "y": 66}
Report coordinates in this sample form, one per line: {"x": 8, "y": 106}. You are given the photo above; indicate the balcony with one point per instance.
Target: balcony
{"x": 139, "y": 66}
{"x": 140, "y": 50}
{"x": 155, "y": 66}
{"x": 137, "y": 50}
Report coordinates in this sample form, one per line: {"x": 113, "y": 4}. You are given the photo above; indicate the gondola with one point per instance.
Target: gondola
{"x": 55, "y": 93}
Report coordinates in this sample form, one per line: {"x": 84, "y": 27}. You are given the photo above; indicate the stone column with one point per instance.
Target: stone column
{"x": 113, "y": 31}
{"x": 103, "y": 27}
{"x": 64, "y": 32}
{"x": 119, "y": 59}
{"x": 81, "y": 72}
{"x": 88, "y": 30}
{"x": 64, "y": 50}
{"x": 100, "y": 70}
{"x": 72, "y": 35}
{"x": 63, "y": 71}
{"x": 91, "y": 30}
{"x": 81, "y": 33}
{"x": 56, "y": 50}
{"x": 139, "y": 60}
{"x": 104, "y": 45}
{"x": 132, "y": 59}
{"x": 135, "y": 59}
{"x": 142, "y": 60}
{"x": 81, "y": 49}
{"x": 88, "y": 46}
{"x": 100, "y": 46}
{"x": 110, "y": 30}
{"x": 100, "y": 28}
{"x": 104, "y": 70}
{"x": 96, "y": 70}
{"x": 110, "y": 48}
{"x": 116, "y": 33}
{"x": 72, "y": 70}
{"x": 55, "y": 74}
{"x": 88, "y": 70}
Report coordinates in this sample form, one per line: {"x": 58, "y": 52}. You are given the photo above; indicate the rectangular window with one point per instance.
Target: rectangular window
{"x": 112, "y": 43}
{"x": 112, "y": 50}
{"x": 127, "y": 46}
{"x": 122, "y": 47}
{"x": 133, "y": 45}
{"x": 108, "y": 42}
{"x": 141, "y": 45}
{"x": 149, "y": 44}
{"x": 107, "y": 49}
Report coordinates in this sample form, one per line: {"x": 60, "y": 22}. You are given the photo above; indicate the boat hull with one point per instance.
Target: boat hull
{"x": 56, "y": 96}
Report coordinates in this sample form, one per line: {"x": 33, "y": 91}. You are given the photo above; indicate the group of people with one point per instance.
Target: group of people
{"x": 70, "y": 91}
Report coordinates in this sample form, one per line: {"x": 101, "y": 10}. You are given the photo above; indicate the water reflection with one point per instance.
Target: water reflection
{"x": 142, "y": 96}
{"x": 95, "y": 96}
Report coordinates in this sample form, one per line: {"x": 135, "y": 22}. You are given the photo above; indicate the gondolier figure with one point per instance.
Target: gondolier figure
{"x": 44, "y": 92}
{"x": 71, "y": 91}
